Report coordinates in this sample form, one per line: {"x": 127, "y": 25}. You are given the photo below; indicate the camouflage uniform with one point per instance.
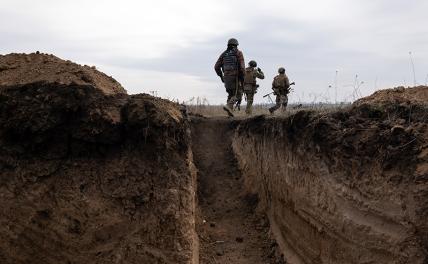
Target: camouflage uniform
{"x": 250, "y": 85}
{"x": 281, "y": 88}
{"x": 232, "y": 75}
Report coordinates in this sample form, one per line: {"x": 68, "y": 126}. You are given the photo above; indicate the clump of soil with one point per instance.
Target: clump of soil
{"x": 23, "y": 69}
{"x": 89, "y": 174}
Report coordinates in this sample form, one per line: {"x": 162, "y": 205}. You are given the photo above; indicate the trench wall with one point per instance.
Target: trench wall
{"x": 91, "y": 178}
{"x": 333, "y": 193}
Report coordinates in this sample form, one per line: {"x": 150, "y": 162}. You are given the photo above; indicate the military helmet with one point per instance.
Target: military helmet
{"x": 233, "y": 41}
{"x": 281, "y": 70}
{"x": 252, "y": 63}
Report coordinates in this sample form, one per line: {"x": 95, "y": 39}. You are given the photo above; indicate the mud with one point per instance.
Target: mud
{"x": 344, "y": 187}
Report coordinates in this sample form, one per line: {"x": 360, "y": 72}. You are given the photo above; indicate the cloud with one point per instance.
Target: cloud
{"x": 171, "y": 46}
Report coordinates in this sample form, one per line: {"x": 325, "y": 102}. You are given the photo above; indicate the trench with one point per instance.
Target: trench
{"x": 229, "y": 227}
{"x": 261, "y": 201}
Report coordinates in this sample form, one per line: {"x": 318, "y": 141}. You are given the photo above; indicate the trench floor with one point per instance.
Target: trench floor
{"x": 229, "y": 228}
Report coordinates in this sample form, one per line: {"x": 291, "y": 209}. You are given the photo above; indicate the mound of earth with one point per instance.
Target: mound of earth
{"x": 89, "y": 174}
{"x": 24, "y": 69}
{"x": 412, "y": 95}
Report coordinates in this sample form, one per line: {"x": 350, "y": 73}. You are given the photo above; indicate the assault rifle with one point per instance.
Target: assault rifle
{"x": 266, "y": 95}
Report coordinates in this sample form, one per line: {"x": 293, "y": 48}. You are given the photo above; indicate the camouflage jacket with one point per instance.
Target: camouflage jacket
{"x": 240, "y": 72}
{"x": 251, "y": 74}
{"x": 281, "y": 84}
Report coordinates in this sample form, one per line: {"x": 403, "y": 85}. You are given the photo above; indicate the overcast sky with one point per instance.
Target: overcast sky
{"x": 171, "y": 46}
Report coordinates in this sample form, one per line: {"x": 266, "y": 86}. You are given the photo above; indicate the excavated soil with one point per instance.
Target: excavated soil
{"x": 89, "y": 174}
{"x": 22, "y": 69}
{"x": 343, "y": 187}
{"x": 93, "y": 177}
{"x": 229, "y": 228}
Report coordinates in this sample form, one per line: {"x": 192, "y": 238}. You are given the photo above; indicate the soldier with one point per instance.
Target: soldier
{"x": 250, "y": 84}
{"x": 230, "y": 67}
{"x": 281, "y": 88}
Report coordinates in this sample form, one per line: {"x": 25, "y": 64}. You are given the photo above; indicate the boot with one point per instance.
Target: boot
{"x": 228, "y": 111}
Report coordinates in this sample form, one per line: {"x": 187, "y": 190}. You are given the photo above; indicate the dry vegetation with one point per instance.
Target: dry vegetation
{"x": 262, "y": 109}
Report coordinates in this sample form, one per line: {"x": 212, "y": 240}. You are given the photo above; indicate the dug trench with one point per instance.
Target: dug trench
{"x": 230, "y": 230}
{"x": 89, "y": 174}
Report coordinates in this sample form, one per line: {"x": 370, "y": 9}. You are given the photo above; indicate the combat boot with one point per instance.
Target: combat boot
{"x": 228, "y": 111}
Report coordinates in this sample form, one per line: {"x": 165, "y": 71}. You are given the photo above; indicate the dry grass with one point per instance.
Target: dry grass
{"x": 262, "y": 109}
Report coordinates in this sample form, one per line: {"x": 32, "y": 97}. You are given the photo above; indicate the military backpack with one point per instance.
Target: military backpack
{"x": 279, "y": 82}
{"x": 249, "y": 76}
{"x": 230, "y": 60}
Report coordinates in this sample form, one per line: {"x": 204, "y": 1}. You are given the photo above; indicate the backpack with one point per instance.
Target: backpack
{"x": 249, "y": 76}
{"x": 230, "y": 60}
{"x": 279, "y": 82}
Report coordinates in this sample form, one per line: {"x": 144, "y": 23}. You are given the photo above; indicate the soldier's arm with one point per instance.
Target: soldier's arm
{"x": 273, "y": 85}
{"x": 218, "y": 66}
{"x": 287, "y": 82}
{"x": 241, "y": 65}
{"x": 260, "y": 74}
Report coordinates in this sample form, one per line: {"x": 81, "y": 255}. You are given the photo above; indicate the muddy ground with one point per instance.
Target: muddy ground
{"x": 89, "y": 174}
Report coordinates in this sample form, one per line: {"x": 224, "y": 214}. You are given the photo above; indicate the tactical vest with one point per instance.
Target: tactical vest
{"x": 279, "y": 82}
{"x": 230, "y": 60}
{"x": 249, "y": 76}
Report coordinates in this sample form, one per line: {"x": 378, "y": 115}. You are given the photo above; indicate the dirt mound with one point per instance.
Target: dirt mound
{"x": 344, "y": 187}
{"x": 87, "y": 177}
{"x": 397, "y": 95}
{"x": 23, "y": 69}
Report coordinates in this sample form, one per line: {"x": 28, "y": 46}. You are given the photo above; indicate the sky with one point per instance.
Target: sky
{"x": 335, "y": 50}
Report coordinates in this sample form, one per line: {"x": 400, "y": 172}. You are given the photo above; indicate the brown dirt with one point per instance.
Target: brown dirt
{"x": 343, "y": 187}
{"x": 417, "y": 94}
{"x": 87, "y": 177}
{"x": 230, "y": 230}
{"x": 23, "y": 69}
{"x": 91, "y": 175}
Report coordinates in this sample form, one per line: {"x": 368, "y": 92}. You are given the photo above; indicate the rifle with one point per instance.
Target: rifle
{"x": 293, "y": 83}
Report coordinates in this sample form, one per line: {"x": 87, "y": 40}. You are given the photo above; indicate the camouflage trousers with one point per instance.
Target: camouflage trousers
{"x": 249, "y": 91}
{"x": 231, "y": 84}
{"x": 281, "y": 100}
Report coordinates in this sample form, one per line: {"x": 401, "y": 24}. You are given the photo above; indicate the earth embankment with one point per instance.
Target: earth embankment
{"x": 88, "y": 173}
{"x": 344, "y": 187}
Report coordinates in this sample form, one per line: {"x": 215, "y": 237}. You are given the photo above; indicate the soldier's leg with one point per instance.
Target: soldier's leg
{"x": 284, "y": 102}
{"x": 250, "y": 98}
{"x": 239, "y": 98}
{"x": 277, "y": 105}
{"x": 230, "y": 84}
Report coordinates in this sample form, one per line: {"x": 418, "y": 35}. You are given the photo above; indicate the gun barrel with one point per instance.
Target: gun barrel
{"x": 267, "y": 94}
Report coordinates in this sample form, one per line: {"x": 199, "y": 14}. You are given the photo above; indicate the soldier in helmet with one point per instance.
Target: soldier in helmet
{"x": 281, "y": 88}
{"x": 250, "y": 84}
{"x": 230, "y": 67}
